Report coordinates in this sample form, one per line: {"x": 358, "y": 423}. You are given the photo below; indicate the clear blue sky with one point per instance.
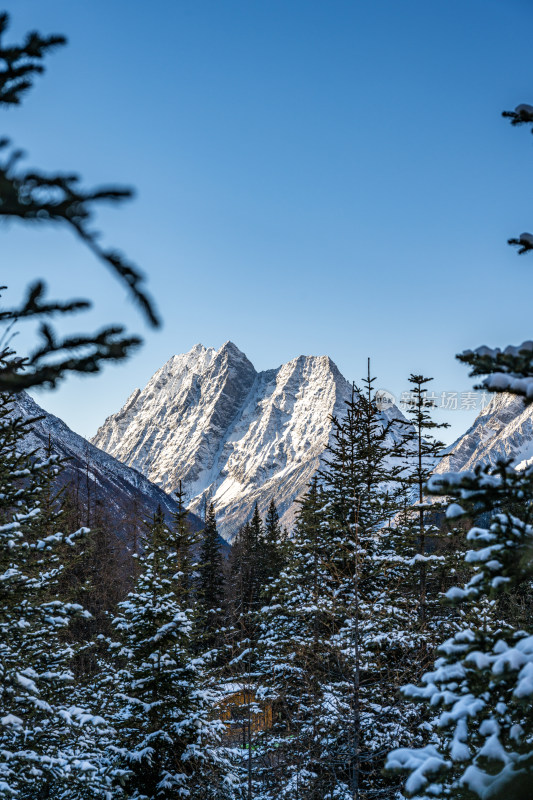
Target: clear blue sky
{"x": 326, "y": 177}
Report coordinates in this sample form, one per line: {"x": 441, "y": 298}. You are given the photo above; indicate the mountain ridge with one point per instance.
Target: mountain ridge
{"x": 118, "y": 486}
{"x": 230, "y": 434}
{"x": 502, "y": 430}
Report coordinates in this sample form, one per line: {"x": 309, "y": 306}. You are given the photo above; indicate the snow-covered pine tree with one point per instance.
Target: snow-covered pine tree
{"x": 245, "y": 584}
{"x": 420, "y": 552}
{"x": 184, "y": 539}
{"x": 169, "y": 741}
{"x": 360, "y": 481}
{"x": 418, "y": 555}
{"x": 41, "y": 726}
{"x": 423, "y": 454}
{"x": 323, "y": 658}
{"x": 209, "y": 612}
{"x": 482, "y": 682}
{"x": 273, "y": 548}
{"x": 295, "y": 650}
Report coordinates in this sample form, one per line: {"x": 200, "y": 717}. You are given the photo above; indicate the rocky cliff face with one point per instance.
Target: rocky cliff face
{"x": 118, "y": 487}
{"x": 237, "y": 436}
{"x": 503, "y": 430}
{"x": 229, "y": 433}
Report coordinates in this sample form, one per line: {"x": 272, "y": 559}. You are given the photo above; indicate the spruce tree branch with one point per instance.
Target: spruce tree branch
{"x": 82, "y": 354}
{"x": 33, "y": 305}
{"x": 509, "y": 370}
{"x": 18, "y": 65}
{"x": 57, "y": 198}
{"x": 524, "y": 243}
{"x": 38, "y": 197}
{"x": 522, "y": 115}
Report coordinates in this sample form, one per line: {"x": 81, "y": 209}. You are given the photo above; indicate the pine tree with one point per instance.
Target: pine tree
{"x": 98, "y": 576}
{"x": 183, "y": 542}
{"x": 420, "y": 552}
{"x": 246, "y": 571}
{"x": 273, "y": 548}
{"x": 426, "y": 452}
{"x": 295, "y": 651}
{"x": 482, "y": 681}
{"x": 483, "y": 678}
{"x": 168, "y": 740}
{"x": 361, "y": 484}
{"x": 246, "y": 580}
{"x": 41, "y": 736}
{"x": 210, "y": 585}
{"x": 324, "y": 658}
{"x": 421, "y": 557}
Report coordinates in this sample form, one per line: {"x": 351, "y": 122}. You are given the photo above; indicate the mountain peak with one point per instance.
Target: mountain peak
{"x": 196, "y": 350}
{"x": 232, "y": 436}
{"x": 229, "y": 345}
{"x": 233, "y": 352}
{"x": 197, "y": 359}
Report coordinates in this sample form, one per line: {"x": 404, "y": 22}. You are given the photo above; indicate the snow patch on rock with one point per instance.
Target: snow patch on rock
{"x": 503, "y": 430}
{"x": 230, "y": 434}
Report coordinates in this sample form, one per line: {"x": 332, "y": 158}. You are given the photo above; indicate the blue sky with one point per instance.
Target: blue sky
{"x": 312, "y": 177}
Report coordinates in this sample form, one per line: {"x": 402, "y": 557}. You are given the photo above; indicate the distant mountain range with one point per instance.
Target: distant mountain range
{"x": 503, "y": 430}
{"x": 118, "y": 487}
{"x": 237, "y": 436}
{"x": 229, "y": 433}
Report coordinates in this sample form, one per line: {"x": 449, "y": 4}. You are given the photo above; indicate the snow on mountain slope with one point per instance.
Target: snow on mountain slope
{"x": 175, "y": 428}
{"x": 113, "y": 483}
{"x": 228, "y": 433}
{"x": 503, "y": 430}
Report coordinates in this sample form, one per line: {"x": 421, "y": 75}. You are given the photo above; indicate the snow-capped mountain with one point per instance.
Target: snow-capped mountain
{"x": 115, "y": 484}
{"x": 503, "y": 430}
{"x": 229, "y": 433}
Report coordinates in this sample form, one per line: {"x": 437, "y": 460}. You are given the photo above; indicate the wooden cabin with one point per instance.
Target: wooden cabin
{"x": 242, "y": 712}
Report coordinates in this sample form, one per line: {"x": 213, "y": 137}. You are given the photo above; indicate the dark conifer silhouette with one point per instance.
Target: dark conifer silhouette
{"x": 57, "y": 198}
{"x": 210, "y": 582}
